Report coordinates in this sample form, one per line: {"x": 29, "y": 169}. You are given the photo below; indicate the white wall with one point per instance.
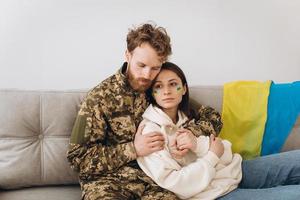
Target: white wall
{"x": 72, "y": 44}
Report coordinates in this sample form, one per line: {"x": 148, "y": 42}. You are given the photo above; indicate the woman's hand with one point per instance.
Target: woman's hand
{"x": 174, "y": 151}
{"x": 185, "y": 139}
{"x": 216, "y": 145}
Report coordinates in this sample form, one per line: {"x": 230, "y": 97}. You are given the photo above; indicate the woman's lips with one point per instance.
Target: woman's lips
{"x": 168, "y": 99}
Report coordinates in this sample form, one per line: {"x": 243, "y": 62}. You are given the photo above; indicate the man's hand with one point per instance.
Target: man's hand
{"x": 149, "y": 143}
{"x": 186, "y": 140}
{"x": 216, "y": 145}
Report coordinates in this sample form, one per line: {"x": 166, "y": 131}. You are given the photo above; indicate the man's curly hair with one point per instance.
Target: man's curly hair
{"x": 155, "y": 36}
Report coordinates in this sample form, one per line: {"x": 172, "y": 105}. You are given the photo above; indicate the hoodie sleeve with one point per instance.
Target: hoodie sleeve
{"x": 184, "y": 181}
{"x": 203, "y": 143}
{"x": 202, "y": 147}
{"x": 227, "y": 156}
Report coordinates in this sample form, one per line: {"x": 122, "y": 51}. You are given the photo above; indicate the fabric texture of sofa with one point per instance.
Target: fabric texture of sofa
{"x": 35, "y": 127}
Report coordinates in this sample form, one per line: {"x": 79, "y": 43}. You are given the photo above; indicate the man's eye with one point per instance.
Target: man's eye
{"x": 156, "y": 68}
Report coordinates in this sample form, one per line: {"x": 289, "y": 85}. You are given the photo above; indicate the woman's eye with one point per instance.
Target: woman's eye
{"x": 157, "y": 86}
{"x": 173, "y": 84}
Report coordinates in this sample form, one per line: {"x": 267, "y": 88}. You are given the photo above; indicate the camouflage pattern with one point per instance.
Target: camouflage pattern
{"x": 206, "y": 122}
{"x": 128, "y": 184}
{"x": 101, "y": 146}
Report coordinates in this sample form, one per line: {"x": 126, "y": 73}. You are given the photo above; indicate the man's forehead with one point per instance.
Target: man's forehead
{"x": 147, "y": 55}
{"x": 153, "y": 64}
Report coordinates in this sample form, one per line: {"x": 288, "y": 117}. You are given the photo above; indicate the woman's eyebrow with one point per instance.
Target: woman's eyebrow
{"x": 172, "y": 80}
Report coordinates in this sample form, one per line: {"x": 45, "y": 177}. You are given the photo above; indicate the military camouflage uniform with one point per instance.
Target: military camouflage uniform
{"x": 101, "y": 145}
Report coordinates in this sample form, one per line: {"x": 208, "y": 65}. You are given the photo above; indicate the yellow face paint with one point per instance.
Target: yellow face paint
{"x": 155, "y": 92}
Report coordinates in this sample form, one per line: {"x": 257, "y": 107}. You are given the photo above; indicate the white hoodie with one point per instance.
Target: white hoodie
{"x": 200, "y": 175}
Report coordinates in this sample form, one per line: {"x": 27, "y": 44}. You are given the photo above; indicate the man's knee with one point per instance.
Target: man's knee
{"x": 103, "y": 196}
{"x": 159, "y": 194}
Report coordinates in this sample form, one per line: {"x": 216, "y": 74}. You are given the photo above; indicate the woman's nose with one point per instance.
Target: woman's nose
{"x": 167, "y": 90}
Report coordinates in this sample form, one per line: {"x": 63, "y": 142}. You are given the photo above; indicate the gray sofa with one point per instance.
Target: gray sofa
{"x": 35, "y": 127}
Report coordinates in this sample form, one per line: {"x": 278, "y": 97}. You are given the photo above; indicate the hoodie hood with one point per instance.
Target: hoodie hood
{"x": 159, "y": 117}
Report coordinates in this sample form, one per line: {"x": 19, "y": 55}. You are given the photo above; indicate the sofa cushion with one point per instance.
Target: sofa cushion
{"x": 293, "y": 140}
{"x": 207, "y": 95}
{"x": 34, "y": 134}
{"x": 43, "y": 193}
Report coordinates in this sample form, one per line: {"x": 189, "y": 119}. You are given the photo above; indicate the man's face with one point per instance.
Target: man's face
{"x": 143, "y": 66}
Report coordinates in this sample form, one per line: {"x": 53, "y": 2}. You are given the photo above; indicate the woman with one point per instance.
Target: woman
{"x": 209, "y": 170}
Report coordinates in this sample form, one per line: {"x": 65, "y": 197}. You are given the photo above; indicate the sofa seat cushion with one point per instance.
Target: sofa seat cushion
{"x": 43, "y": 193}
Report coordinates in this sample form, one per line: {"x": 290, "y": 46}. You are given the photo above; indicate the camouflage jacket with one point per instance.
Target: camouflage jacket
{"x": 104, "y": 130}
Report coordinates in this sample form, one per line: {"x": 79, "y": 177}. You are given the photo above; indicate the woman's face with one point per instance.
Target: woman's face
{"x": 168, "y": 89}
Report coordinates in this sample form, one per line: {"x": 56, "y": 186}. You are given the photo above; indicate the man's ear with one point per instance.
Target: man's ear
{"x": 127, "y": 55}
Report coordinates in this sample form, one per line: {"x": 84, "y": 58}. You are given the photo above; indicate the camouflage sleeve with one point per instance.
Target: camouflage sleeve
{"x": 87, "y": 151}
{"x": 207, "y": 121}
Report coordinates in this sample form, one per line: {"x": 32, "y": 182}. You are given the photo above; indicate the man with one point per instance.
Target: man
{"x": 106, "y": 138}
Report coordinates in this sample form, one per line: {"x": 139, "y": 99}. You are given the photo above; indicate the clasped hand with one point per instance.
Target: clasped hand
{"x": 182, "y": 143}
{"x": 185, "y": 140}
{"x": 179, "y": 147}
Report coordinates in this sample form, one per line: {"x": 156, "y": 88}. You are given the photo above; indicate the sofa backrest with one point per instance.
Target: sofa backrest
{"x": 35, "y": 127}
{"x": 207, "y": 95}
